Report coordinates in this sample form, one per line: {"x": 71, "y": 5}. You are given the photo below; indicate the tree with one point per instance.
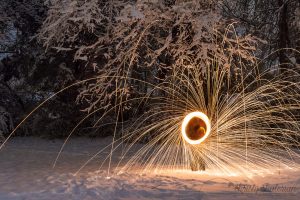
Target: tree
{"x": 275, "y": 21}
{"x": 116, "y": 39}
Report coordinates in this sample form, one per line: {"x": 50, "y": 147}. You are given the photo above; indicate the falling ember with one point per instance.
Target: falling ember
{"x": 195, "y": 127}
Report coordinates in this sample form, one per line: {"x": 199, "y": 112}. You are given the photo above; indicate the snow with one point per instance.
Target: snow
{"x": 26, "y": 173}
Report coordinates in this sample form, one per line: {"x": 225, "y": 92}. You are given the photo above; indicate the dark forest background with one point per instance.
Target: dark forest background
{"x": 46, "y": 45}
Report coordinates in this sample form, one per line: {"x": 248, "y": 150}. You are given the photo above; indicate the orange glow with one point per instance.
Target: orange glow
{"x": 195, "y": 127}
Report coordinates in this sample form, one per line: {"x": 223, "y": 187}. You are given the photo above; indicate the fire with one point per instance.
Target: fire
{"x": 195, "y": 127}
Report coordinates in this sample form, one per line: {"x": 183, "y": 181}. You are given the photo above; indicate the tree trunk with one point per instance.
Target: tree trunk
{"x": 283, "y": 37}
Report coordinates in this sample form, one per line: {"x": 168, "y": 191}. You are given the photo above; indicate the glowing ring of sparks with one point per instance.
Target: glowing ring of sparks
{"x": 202, "y": 118}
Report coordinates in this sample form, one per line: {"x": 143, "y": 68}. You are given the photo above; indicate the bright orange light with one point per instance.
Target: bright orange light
{"x": 195, "y": 127}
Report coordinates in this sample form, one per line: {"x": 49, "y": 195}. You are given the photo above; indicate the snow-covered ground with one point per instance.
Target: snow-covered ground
{"x": 26, "y": 173}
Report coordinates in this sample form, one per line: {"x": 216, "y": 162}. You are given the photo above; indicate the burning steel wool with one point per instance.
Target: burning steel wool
{"x": 200, "y": 123}
{"x": 194, "y": 122}
{"x": 195, "y": 127}
{"x": 203, "y": 123}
